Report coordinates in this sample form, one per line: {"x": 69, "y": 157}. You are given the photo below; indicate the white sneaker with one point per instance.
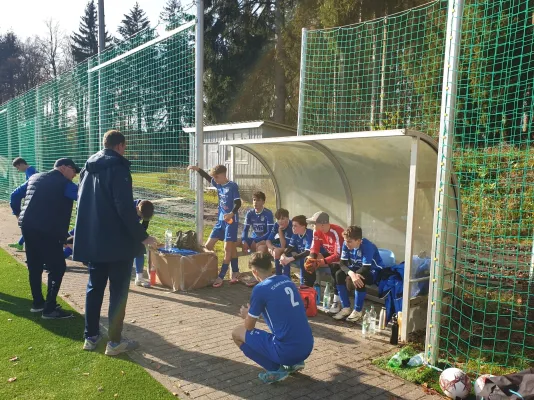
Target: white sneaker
{"x": 355, "y": 316}
{"x": 142, "y": 283}
{"x": 344, "y": 313}
{"x": 335, "y": 308}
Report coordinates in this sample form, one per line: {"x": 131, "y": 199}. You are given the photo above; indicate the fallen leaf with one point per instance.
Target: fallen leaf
{"x": 175, "y": 394}
{"x": 133, "y": 321}
{"x": 12, "y": 379}
{"x": 123, "y": 373}
{"x": 156, "y": 315}
{"x": 186, "y": 393}
{"x": 100, "y": 388}
{"x": 158, "y": 366}
{"x": 30, "y": 348}
{"x": 9, "y": 320}
{"x": 14, "y": 358}
{"x": 85, "y": 374}
{"x": 116, "y": 395}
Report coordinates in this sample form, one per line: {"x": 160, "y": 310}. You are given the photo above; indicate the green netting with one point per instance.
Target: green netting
{"x": 148, "y": 94}
{"x": 388, "y": 73}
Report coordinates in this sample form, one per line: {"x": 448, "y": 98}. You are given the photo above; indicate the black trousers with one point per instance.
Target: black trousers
{"x": 340, "y": 277}
{"x": 43, "y": 251}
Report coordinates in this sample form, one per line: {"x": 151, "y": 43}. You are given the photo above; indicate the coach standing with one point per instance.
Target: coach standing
{"x": 108, "y": 237}
{"x": 44, "y": 221}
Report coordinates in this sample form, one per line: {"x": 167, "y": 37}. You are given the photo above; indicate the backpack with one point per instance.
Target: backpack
{"x": 518, "y": 386}
{"x": 309, "y": 298}
{"x": 186, "y": 240}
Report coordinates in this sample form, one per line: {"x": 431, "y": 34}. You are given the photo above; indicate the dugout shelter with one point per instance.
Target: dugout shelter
{"x": 384, "y": 181}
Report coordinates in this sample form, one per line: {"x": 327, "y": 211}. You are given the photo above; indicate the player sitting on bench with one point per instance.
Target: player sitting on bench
{"x": 261, "y": 220}
{"x": 298, "y": 249}
{"x": 327, "y": 238}
{"x": 361, "y": 261}
{"x": 278, "y": 239}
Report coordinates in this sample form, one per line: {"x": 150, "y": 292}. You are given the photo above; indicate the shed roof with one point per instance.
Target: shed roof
{"x": 243, "y": 125}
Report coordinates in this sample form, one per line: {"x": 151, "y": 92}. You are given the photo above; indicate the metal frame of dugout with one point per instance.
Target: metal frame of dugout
{"x": 383, "y": 181}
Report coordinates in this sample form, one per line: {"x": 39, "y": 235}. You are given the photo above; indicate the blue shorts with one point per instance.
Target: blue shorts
{"x": 225, "y": 231}
{"x": 267, "y": 345}
{"x": 250, "y": 240}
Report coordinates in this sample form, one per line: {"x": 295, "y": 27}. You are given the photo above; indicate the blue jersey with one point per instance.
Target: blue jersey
{"x": 227, "y": 194}
{"x": 30, "y": 171}
{"x": 274, "y": 236}
{"x": 366, "y": 254}
{"x": 278, "y": 300}
{"x": 261, "y": 224}
{"x": 301, "y": 243}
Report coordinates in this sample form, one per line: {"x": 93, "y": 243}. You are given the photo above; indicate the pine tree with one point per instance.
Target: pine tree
{"x": 85, "y": 43}
{"x": 133, "y": 22}
{"x": 173, "y": 14}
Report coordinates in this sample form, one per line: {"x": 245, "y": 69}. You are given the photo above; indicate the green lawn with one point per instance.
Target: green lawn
{"x": 50, "y": 363}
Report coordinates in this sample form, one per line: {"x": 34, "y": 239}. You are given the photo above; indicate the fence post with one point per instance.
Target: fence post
{"x": 199, "y": 117}
{"x": 300, "y": 116}
{"x": 443, "y": 175}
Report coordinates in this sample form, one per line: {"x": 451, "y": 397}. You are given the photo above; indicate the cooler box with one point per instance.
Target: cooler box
{"x": 185, "y": 271}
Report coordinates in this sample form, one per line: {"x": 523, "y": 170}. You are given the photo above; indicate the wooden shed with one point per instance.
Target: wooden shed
{"x": 247, "y": 170}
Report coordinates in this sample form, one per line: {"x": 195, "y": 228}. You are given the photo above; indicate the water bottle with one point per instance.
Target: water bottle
{"x": 326, "y": 298}
{"x": 317, "y": 288}
{"x": 382, "y": 319}
{"x": 416, "y": 361}
{"x": 366, "y": 322}
{"x": 372, "y": 321}
{"x": 394, "y": 339}
{"x": 168, "y": 240}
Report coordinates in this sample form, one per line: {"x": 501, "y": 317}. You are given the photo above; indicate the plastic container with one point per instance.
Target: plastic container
{"x": 168, "y": 240}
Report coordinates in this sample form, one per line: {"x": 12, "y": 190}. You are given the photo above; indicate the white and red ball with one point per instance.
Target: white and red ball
{"x": 480, "y": 382}
{"x": 455, "y": 383}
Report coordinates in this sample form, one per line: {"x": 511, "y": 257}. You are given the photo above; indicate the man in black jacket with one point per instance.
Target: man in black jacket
{"x": 44, "y": 221}
{"x": 108, "y": 237}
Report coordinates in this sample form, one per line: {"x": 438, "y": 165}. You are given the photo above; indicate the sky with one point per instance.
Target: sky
{"x": 26, "y": 17}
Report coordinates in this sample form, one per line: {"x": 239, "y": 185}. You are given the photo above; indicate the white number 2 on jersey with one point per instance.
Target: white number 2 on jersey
{"x": 289, "y": 291}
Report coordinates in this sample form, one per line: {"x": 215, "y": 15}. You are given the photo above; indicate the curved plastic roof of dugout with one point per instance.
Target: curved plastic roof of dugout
{"x": 362, "y": 178}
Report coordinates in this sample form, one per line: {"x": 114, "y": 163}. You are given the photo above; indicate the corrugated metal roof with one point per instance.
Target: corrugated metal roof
{"x": 242, "y": 125}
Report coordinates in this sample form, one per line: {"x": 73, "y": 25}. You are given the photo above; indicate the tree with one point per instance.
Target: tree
{"x": 51, "y": 47}
{"x": 133, "y": 22}
{"x": 32, "y": 64}
{"x": 173, "y": 14}
{"x": 85, "y": 43}
{"x": 10, "y": 66}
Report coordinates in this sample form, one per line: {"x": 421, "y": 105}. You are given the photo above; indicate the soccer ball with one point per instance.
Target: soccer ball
{"x": 480, "y": 382}
{"x": 455, "y": 383}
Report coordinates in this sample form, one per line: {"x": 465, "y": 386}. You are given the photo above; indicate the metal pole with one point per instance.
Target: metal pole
{"x": 408, "y": 255}
{"x": 101, "y": 47}
{"x": 443, "y": 175}
{"x": 300, "y": 123}
{"x": 199, "y": 116}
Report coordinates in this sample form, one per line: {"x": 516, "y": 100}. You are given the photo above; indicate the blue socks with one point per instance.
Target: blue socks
{"x": 343, "y": 295}
{"x": 278, "y": 267}
{"x": 287, "y": 270}
{"x": 224, "y": 270}
{"x": 235, "y": 265}
{"x": 359, "y": 298}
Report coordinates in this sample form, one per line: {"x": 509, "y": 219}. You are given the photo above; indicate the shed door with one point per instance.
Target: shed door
{"x": 212, "y": 155}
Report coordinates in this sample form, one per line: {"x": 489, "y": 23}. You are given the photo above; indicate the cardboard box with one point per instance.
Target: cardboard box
{"x": 185, "y": 272}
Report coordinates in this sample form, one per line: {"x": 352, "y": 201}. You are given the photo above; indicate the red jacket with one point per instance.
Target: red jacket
{"x": 332, "y": 242}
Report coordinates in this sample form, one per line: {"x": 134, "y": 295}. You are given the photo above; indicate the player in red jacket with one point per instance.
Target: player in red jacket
{"x": 328, "y": 241}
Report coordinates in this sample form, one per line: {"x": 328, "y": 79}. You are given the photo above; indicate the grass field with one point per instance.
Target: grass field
{"x": 46, "y": 357}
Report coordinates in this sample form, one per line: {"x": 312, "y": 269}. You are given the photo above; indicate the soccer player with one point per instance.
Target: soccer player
{"x": 361, "y": 261}
{"x": 226, "y": 227}
{"x": 145, "y": 212}
{"x": 326, "y": 237}
{"x": 261, "y": 220}
{"x": 290, "y": 342}
{"x": 279, "y": 238}
{"x": 298, "y": 249}
{"x": 18, "y": 194}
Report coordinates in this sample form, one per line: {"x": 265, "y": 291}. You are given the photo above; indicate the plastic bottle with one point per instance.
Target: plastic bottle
{"x": 394, "y": 339}
{"x": 317, "y": 288}
{"x": 365, "y": 324}
{"x": 326, "y": 298}
{"x": 382, "y": 319}
{"x": 168, "y": 240}
{"x": 416, "y": 361}
{"x": 152, "y": 276}
{"x": 372, "y": 321}
{"x": 395, "y": 361}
